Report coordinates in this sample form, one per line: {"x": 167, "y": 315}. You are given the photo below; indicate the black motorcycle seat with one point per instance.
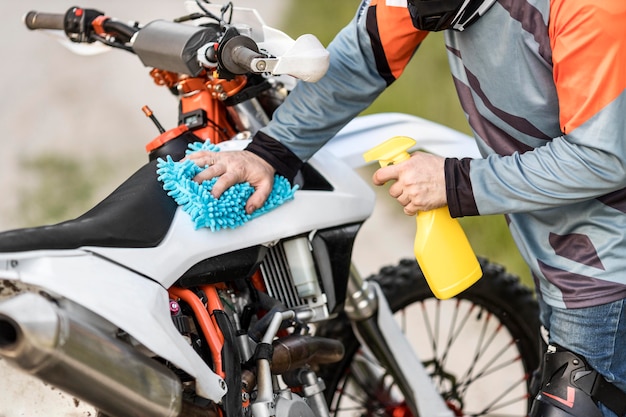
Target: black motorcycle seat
{"x": 137, "y": 214}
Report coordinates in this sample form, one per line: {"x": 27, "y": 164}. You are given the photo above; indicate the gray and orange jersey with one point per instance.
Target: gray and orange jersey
{"x": 542, "y": 83}
{"x": 543, "y": 86}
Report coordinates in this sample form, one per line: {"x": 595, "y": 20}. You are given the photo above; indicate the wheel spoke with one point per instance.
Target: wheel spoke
{"x": 475, "y": 348}
{"x": 497, "y": 402}
{"x": 429, "y": 330}
{"x": 492, "y": 367}
{"x": 455, "y": 332}
{"x": 479, "y": 348}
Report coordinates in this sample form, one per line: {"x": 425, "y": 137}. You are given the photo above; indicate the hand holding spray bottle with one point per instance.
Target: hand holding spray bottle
{"x": 441, "y": 248}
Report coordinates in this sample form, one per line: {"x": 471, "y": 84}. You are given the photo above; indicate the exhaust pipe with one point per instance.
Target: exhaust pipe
{"x": 293, "y": 352}
{"x": 43, "y": 339}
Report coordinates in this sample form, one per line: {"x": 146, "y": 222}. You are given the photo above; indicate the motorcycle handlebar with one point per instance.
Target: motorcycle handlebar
{"x": 243, "y": 57}
{"x": 160, "y": 43}
{"x": 39, "y": 20}
{"x": 79, "y": 25}
{"x": 237, "y": 54}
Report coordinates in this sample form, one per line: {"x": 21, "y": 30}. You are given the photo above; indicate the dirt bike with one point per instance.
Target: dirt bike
{"x": 134, "y": 312}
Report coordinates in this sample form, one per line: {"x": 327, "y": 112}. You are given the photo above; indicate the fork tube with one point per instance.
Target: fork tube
{"x": 376, "y": 328}
{"x": 265, "y": 405}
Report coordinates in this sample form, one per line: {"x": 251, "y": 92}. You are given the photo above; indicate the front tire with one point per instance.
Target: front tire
{"x": 480, "y": 348}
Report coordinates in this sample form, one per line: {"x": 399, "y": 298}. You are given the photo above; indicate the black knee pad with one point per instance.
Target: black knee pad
{"x": 571, "y": 388}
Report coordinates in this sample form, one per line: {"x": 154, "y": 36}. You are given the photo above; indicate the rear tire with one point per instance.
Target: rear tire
{"x": 480, "y": 348}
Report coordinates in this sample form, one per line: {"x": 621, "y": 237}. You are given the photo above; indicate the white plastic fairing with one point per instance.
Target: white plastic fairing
{"x": 307, "y": 60}
{"x": 248, "y": 20}
{"x": 351, "y": 201}
{"x": 102, "y": 277}
{"x": 365, "y": 132}
{"x": 85, "y": 49}
{"x": 130, "y": 301}
{"x": 304, "y": 58}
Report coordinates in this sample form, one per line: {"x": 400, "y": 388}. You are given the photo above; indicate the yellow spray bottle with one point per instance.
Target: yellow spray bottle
{"x": 441, "y": 247}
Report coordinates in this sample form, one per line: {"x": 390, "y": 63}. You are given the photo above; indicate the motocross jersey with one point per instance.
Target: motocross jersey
{"x": 542, "y": 83}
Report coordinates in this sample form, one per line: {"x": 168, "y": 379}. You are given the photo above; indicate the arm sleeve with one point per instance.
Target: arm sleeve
{"x": 588, "y": 160}
{"x": 360, "y": 69}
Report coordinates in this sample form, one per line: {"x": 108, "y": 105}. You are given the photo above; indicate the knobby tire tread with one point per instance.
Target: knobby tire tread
{"x": 498, "y": 291}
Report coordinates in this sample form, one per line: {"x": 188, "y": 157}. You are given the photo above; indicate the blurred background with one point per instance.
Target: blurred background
{"x": 73, "y": 128}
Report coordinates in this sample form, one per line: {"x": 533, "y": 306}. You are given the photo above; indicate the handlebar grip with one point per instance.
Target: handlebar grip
{"x": 236, "y": 54}
{"x": 243, "y": 57}
{"x": 39, "y": 20}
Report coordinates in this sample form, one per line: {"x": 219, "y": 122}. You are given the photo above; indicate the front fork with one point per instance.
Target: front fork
{"x": 376, "y": 328}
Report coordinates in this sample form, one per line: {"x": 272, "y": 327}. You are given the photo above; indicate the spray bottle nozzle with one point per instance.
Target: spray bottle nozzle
{"x": 441, "y": 247}
{"x": 391, "y": 151}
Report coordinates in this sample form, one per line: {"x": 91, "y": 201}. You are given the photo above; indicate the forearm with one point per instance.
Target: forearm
{"x": 554, "y": 175}
{"x": 365, "y": 57}
{"x": 314, "y": 112}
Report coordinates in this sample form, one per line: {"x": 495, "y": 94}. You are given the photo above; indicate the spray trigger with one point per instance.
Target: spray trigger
{"x": 441, "y": 248}
{"x": 390, "y": 152}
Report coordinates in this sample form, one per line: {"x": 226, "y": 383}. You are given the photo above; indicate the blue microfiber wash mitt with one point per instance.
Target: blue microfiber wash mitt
{"x": 205, "y": 210}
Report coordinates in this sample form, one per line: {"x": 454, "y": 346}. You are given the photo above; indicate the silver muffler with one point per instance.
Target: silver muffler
{"x": 44, "y": 340}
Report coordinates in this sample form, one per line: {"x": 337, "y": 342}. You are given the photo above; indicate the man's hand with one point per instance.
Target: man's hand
{"x": 420, "y": 183}
{"x": 234, "y": 167}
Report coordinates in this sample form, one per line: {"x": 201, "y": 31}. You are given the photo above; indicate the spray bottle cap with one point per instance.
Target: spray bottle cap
{"x": 391, "y": 151}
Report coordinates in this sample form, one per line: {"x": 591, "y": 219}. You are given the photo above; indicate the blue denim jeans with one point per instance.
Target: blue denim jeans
{"x": 596, "y": 333}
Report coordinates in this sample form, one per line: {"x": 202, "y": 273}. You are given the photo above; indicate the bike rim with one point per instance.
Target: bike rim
{"x": 473, "y": 360}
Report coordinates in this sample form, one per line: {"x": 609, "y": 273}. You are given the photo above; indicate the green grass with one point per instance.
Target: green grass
{"x": 63, "y": 187}
{"x": 425, "y": 90}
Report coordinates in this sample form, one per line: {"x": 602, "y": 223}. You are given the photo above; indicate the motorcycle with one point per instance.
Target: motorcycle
{"x": 134, "y": 312}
